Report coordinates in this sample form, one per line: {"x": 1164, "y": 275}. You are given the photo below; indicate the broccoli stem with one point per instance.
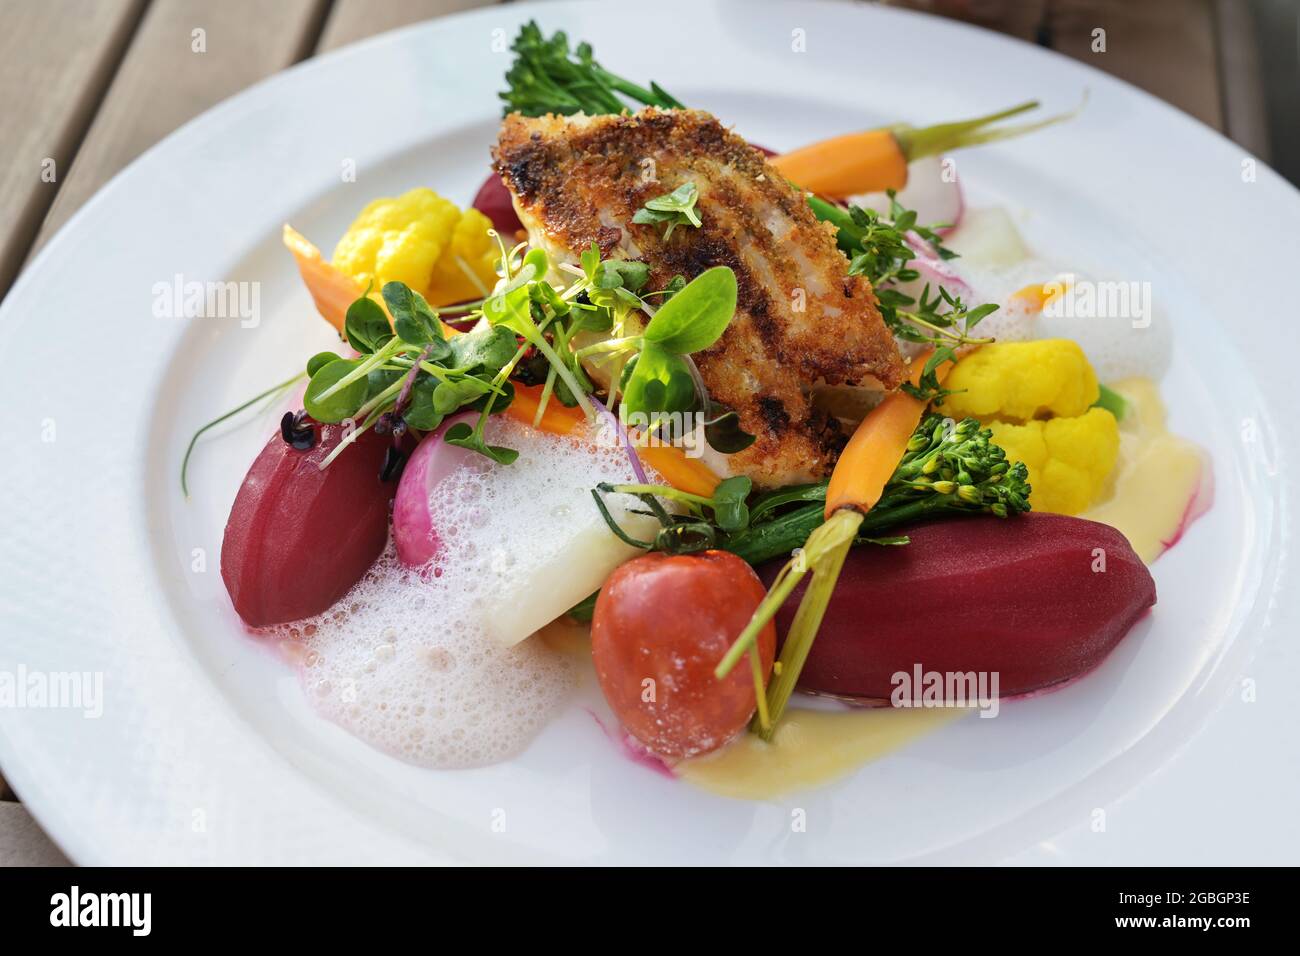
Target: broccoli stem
{"x": 778, "y": 537}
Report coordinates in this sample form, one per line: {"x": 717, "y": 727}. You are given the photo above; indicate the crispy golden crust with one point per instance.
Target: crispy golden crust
{"x": 800, "y": 320}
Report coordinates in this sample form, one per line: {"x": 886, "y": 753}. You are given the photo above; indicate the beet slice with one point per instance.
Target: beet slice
{"x": 494, "y": 201}
{"x": 1025, "y": 597}
{"x": 298, "y": 538}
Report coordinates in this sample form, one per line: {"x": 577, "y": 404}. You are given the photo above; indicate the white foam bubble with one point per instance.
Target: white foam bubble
{"x": 404, "y": 662}
{"x": 1118, "y": 346}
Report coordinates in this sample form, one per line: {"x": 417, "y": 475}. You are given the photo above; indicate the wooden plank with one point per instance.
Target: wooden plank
{"x": 352, "y": 20}
{"x": 22, "y": 843}
{"x": 56, "y": 59}
{"x": 1241, "y": 81}
{"x": 1164, "y": 46}
{"x": 1017, "y": 18}
{"x": 186, "y": 56}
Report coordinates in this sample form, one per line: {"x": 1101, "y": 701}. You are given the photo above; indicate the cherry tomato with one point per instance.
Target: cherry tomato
{"x": 661, "y": 625}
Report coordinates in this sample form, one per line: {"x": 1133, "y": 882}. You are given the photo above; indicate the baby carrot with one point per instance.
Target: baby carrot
{"x": 869, "y": 161}
{"x": 879, "y": 442}
{"x": 876, "y": 159}
{"x": 855, "y": 486}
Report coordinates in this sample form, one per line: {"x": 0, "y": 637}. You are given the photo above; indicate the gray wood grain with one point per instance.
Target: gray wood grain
{"x": 56, "y": 59}
{"x": 172, "y": 72}
{"x": 23, "y": 843}
{"x": 1166, "y": 47}
{"x": 352, "y": 20}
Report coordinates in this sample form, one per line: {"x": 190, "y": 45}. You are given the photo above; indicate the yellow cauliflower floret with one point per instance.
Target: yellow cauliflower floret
{"x": 421, "y": 239}
{"x": 398, "y": 239}
{"x": 1069, "y": 459}
{"x": 1018, "y": 381}
{"x": 467, "y": 270}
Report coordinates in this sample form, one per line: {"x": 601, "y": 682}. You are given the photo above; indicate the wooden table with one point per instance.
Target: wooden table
{"x": 88, "y": 86}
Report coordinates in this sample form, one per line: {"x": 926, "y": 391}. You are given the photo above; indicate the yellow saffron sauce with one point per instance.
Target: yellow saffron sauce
{"x": 810, "y": 748}
{"x": 1160, "y": 484}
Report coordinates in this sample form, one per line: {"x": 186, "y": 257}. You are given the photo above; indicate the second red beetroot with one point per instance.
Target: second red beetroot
{"x": 1038, "y": 599}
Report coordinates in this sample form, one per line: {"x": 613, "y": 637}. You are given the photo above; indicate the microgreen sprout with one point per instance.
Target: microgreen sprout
{"x": 882, "y": 248}
{"x": 673, "y": 209}
{"x": 271, "y": 392}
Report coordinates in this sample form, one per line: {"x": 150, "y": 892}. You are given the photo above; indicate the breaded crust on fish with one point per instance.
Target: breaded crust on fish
{"x": 801, "y": 318}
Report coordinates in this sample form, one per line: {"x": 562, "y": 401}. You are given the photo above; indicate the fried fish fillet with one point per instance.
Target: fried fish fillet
{"x": 801, "y": 319}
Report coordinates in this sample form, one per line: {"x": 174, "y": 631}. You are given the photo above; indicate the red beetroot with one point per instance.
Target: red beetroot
{"x": 1025, "y": 597}
{"x": 298, "y": 537}
{"x": 494, "y": 201}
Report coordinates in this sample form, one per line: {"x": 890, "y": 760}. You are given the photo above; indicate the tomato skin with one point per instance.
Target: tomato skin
{"x": 670, "y": 619}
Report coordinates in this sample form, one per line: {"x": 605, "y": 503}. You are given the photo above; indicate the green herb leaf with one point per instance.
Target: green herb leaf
{"x": 319, "y": 361}
{"x": 343, "y": 403}
{"x": 511, "y": 310}
{"x": 632, "y": 275}
{"x": 463, "y": 436}
{"x": 675, "y": 208}
{"x": 793, "y": 494}
{"x": 878, "y": 247}
{"x": 724, "y": 433}
{"x": 928, "y": 388}
{"x": 656, "y": 382}
{"x": 729, "y": 508}
{"x": 413, "y": 320}
{"x": 420, "y": 413}
{"x": 366, "y": 326}
{"x": 1112, "y": 401}
{"x": 544, "y": 294}
{"x": 381, "y": 379}
{"x": 590, "y": 261}
{"x": 500, "y": 399}
{"x": 487, "y": 347}
{"x": 675, "y": 285}
{"x": 449, "y": 396}
{"x": 696, "y": 317}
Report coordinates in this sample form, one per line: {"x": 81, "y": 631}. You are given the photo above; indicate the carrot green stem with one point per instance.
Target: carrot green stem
{"x": 194, "y": 439}
{"x": 830, "y": 544}
{"x": 915, "y": 143}
{"x": 784, "y": 584}
{"x": 760, "y": 692}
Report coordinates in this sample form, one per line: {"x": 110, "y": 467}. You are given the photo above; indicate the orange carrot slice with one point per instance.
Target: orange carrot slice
{"x": 866, "y": 162}
{"x": 876, "y": 159}
{"x": 683, "y": 473}
{"x": 876, "y": 447}
{"x": 331, "y": 289}
{"x": 674, "y": 466}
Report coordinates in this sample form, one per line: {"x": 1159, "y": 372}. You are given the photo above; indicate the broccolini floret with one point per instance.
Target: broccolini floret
{"x": 547, "y": 78}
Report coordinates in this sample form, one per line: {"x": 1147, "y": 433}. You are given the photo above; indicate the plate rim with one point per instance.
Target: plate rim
{"x": 49, "y": 812}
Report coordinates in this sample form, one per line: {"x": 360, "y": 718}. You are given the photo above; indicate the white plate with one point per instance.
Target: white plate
{"x": 205, "y": 751}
